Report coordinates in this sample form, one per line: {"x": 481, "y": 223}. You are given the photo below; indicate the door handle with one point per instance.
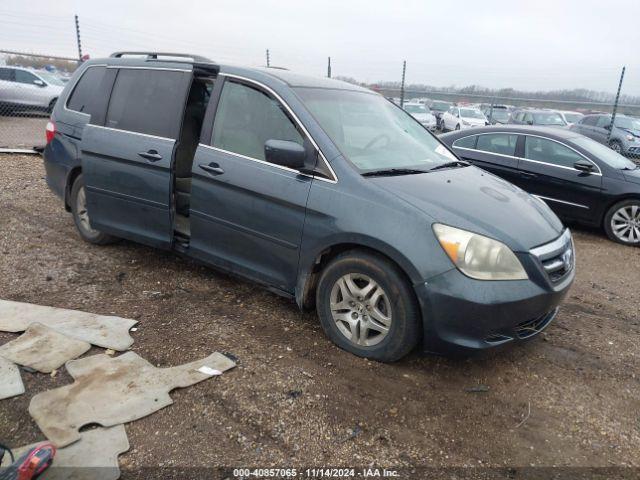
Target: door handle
{"x": 212, "y": 168}
{"x": 151, "y": 155}
{"x": 528, "y": 175}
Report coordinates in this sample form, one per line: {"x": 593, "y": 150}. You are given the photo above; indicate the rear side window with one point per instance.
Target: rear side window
{"x": 25, "y": 77}
{"x": 247, "y": 118}
{"x": 502, "y": 143}
{"x": 7, "y": 74}
{"x": 548, "y": 151}
{"x": 466, "y": 142}
{"x": 147, "y": 101}
{"x": 85, "y": 89}
{"x": 603, "y": 121}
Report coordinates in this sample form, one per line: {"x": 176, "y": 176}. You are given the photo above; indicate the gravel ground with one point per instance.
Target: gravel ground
{"x": 568, "y": 398}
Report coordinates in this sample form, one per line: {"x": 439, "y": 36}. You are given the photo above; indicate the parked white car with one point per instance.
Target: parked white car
{"x": 22, "y": 88}
{"x": 570, "y": 117}
{"x": 422, "y": 114}
{"x": 458, "y": 118}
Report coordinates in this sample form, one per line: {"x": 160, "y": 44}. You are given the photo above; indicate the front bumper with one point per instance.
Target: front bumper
{"x": 462, "y": 315}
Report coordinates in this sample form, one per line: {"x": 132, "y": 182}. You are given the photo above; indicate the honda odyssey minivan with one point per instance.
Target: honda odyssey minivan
{"x": 319, "y": 190}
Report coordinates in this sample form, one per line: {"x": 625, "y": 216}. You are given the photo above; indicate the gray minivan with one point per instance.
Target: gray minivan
{"x": 321, "y": 191}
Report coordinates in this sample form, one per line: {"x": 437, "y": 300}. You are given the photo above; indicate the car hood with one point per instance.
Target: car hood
{"x": 475, "y": 200}
{"x": 474, "y": 121}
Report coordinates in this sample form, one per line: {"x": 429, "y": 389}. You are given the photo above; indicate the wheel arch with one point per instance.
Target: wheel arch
{"x": 310, "y": 272}
{"x": 71, "y": 178}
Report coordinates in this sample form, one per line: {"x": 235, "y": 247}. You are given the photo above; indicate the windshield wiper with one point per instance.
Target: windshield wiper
{"x": 393, "y": 171}
{"x": 455, "y": 163}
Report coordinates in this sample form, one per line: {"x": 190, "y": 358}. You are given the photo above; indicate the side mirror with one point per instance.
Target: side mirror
{"x": 583, "y": 166}
{"x": 39, "y": 83}
{"x": 285, "y": 153}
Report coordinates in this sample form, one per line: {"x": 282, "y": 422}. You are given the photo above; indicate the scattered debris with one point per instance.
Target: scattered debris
{"x": 110, "y": 391}
{"x": 477, "y": 389}
{"x": 101, "y": 330}
{"x": 94, "y": 456}
{"x": 294, "y": 394}
{"x": 526, "y": 416}
{"x": 353, "y": 433}
{"x": 10, "y": 380}
{"x": 43, "y": 349}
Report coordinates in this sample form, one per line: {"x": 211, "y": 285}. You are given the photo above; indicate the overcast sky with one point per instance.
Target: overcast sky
{"x": 525, "y": 44}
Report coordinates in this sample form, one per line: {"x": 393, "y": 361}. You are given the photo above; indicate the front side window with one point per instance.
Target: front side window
{"x": 371, "y": 132}
{"x": 145, "y": 101}
{"x": 604, "y": 153}
{"x": 603, "y": 121}
{"x": 548, "y": 151}
{"x": 247, "y": 117}
{"x": 502, "y": 143}
{"x": 25, "y": 77}
{"x": 590, "y": 120}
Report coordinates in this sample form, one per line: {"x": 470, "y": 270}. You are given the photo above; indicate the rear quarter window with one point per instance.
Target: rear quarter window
{"x": 147, "y": 101}
{"x": 85, "y": 90}
{"x": 465, "y": 142}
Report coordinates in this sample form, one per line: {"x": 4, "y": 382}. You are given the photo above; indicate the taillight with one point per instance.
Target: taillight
{"x": 50, "y": 131}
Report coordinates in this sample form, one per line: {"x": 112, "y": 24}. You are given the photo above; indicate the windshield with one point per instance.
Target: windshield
{"x": 415, "y": 108}
{"x": 604, "y": 153}
{"x": 572, "y": 117}
{"x": 548, "y": 119}
{"x": 471, "y": 113}
{"x": 51, "y": 79}
{"x": 629, "y": 123}
{"x": 499, "y": 114}
{"x": 373, "y": 133}
{"x": 440, "y": 106}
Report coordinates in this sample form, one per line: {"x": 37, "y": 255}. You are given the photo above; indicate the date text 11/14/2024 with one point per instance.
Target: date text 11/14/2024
{"x": 314, "y": 473}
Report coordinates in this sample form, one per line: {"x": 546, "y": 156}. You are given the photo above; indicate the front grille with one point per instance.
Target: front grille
{"x": 557, "y": 257}
{"x": 532, "y": 327}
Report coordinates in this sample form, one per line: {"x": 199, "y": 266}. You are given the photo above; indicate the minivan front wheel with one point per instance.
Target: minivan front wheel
{"x": 81, "y": 218}
{"x": 616, "y": 146}
{"x": 367, "y": 307}
{"x": 622, "y": 222}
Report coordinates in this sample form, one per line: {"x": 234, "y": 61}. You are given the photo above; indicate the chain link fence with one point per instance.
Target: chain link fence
{"x": 29, "y": 87}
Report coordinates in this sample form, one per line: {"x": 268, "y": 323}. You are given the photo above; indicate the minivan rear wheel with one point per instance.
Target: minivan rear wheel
{"x": 81, "y": 218}
{"x": 367, "y": 307}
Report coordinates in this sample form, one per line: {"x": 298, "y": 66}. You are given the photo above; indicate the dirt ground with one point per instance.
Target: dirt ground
{"x": 569, "y": 398}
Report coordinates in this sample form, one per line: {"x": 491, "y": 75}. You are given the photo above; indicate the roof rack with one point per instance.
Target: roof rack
{"x": 155, "y": 55}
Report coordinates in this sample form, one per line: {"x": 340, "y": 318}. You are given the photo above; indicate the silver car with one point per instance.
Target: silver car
{"x": 25, "y": 89}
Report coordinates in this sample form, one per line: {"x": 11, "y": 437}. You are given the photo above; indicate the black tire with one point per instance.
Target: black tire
{"x": 405, "y": 326}
{"x": 608, "y": 227}
{"x": 616, "y": 146}
{"x": 458, "y": 127}
{"x": 88, "y": 234}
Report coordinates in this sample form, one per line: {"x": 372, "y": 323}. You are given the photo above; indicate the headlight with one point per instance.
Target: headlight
{"x": 478, "y": 256}
{"x": 464, "y": 122}
{"x": 630, "y": 138}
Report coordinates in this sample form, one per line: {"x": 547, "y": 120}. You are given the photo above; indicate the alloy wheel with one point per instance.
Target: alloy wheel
{"x": 615, "y": 146}
{"x": 625, "y": 224}
{"x": 360, "y": 309}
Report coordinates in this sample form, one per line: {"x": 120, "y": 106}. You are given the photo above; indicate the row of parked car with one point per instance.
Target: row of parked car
{"x": 23, "y": 88}
{"x": 623, "y": 136}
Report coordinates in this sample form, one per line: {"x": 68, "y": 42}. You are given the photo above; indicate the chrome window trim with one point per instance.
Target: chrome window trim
{"x": 541, "y": 197}
{"x": 264, "y": 162}
{"x": 132, "y": 67}
{"x": 148, "y": 135}
{"x": 75, "y": 84}
{"x": 599, "y": 172}
{"x": 295, "y": 118}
